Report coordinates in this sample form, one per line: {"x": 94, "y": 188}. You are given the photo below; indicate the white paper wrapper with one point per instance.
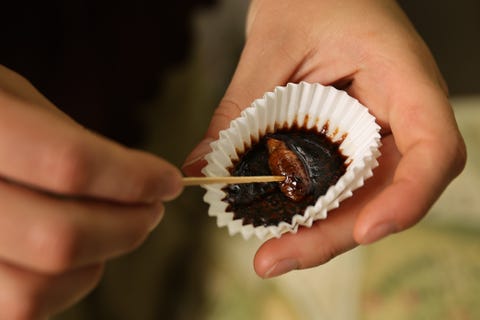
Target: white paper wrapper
{"x": 305, "y": 105}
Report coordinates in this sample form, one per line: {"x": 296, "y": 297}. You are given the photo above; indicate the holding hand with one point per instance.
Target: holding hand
{"x": 69, "y": 201}
{"x": 370, "y": 49}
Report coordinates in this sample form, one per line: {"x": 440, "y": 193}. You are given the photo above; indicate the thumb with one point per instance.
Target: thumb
{"x": 259, "y": 70}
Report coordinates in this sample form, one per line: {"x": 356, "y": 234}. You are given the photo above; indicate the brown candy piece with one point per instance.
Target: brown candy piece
{"x": 283, "y": 161}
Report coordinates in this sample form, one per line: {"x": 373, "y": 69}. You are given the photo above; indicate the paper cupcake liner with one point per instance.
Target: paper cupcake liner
{"x": 304, "y": 105}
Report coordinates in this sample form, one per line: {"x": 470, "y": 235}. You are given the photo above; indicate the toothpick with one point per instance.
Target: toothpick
{"x": 195, "y": 181}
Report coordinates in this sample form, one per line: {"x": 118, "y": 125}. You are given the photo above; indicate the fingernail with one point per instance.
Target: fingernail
{"x": 281, "y": 267}
{"x": 172, "y": 185}
{"x": 157, "y": 216}
{"x": 378, "y": 232}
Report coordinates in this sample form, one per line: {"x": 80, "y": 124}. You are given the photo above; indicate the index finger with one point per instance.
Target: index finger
{"x": 42, "y": 150}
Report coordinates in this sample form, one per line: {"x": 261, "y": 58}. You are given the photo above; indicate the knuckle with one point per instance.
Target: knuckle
{"x": 68, "y": 167}
{"x": 454, "y": 151}
{"x": 24, "y": 310}
{"x": 461, "y": 156}
{"x": 19, "y": 310}
{"x": 327, "y": 248}
{"x": 58, "y": 245}
{"x": 328, "y": 253}
{"x": 20, "y": 306}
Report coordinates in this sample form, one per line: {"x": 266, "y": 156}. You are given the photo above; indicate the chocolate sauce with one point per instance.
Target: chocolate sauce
{"x": 265, "y": 203}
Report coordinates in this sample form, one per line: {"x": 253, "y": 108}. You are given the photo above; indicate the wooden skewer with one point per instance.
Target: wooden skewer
{"x": 195, "y": 181}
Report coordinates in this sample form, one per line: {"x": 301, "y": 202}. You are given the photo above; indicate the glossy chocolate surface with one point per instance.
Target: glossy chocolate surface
{"x": 265, "y": 203}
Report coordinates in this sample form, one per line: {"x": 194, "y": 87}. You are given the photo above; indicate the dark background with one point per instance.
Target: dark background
{"x": 452, "y": 31}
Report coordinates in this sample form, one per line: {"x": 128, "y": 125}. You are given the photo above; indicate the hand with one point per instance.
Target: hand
{"x": 370, "y": 49}
{"x": 69, "y": 201}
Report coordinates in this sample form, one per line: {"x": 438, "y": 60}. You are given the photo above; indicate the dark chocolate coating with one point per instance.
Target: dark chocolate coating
{"x": 264, "y": 203}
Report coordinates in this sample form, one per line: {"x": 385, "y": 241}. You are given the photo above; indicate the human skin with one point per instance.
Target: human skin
{"x": 70, "y": 200}
{"x": 370, "y": 49}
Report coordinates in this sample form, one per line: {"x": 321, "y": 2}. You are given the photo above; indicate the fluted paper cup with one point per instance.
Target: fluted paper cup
{"x": 310, "y": 106}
